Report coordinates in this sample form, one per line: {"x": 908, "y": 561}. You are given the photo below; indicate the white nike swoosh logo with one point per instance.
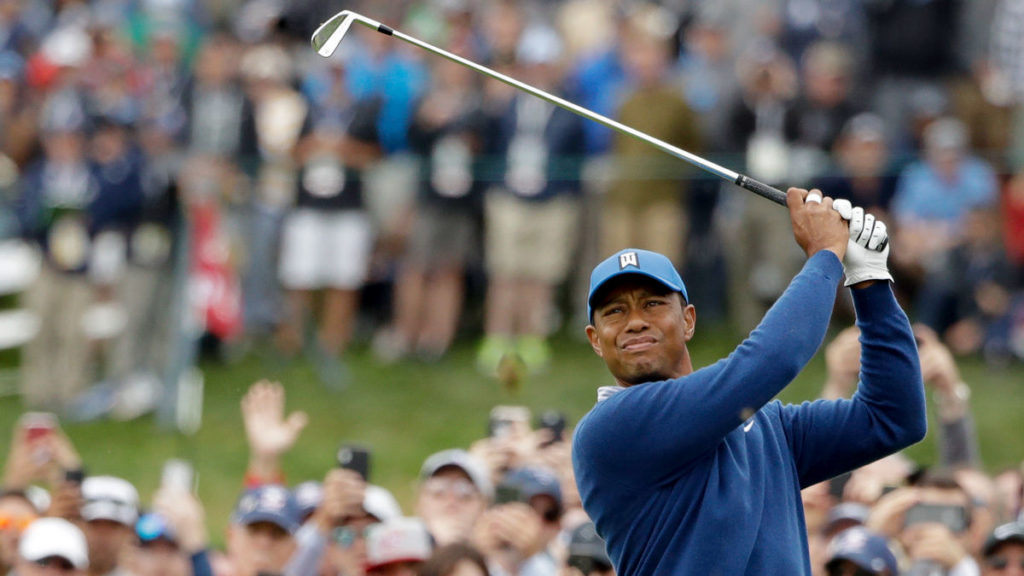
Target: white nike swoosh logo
{"x": 748, "y": 426}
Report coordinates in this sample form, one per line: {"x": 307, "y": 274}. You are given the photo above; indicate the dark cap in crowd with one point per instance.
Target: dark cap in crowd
{"x": 587, "y": 548}
{"x": 397, "y": 540}
{"x": 458, "y": 458}
{"x": 268, "y": 503}
{"x": 1009, "y": 532}
{"x": 864, "y": 548}
{"x": 54, "y": 537}
{"x": 110, "y": 498}
{"x": 535, "y": 481}
{"x": 635, "y": 261}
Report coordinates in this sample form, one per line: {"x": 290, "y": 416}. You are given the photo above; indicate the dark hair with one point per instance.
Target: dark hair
{"x": 447, "y": 557}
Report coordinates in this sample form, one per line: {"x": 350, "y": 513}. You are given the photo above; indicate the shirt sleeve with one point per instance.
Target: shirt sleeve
{"x": 885, "y": 414}
{"x": 657, "y": 430}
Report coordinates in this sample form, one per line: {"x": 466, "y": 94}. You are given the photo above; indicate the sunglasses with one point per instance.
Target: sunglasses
{"x": 463, "y": 490}
{"x": 1002, "y": 562}
{"x": 345, "y": 537}
{"x": 18, "y": 522}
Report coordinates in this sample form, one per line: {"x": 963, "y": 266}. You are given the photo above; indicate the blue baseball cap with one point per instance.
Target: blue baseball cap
{"x": 864, "y": 548}
{"x": 535, "y": 481}
{"x": 634, "y": 261}
{"x": 152, "y": 526}
{"x": 268, "y": 503}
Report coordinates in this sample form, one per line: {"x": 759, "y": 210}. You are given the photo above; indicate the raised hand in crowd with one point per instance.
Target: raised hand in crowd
{"x": 343, "y": 494}
{"x": 842, "y": 364}
{"x": 187, "y": 517}
{"x": 40, "y": 452}
{"x": 509, "y": 534}
{"x": 940, "y": 372}
{"x": 269, "y": 432}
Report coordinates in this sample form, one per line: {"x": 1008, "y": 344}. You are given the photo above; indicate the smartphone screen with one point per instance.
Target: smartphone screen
{"x": 952, "y": 516}
{"x": 503, "y": 419}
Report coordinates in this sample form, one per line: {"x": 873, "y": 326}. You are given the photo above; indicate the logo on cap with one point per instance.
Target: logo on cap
{"x": 628, "y": 259}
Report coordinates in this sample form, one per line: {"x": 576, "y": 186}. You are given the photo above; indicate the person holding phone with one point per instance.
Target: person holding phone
{"x": 689, "y": 471}
{"x": 934, "y": 523}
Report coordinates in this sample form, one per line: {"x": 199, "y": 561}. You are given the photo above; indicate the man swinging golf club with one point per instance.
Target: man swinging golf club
{"x": 695, "y": 471}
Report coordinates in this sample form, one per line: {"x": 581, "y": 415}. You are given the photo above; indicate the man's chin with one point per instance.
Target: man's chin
{"x": 645, "y": 377}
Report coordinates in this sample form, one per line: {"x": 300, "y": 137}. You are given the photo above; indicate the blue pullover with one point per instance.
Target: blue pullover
{"x": 701, "y": 475}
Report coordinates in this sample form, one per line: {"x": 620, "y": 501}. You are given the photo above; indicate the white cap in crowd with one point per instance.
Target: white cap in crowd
{"x": 110, "y": 498}
{"x": 380, "y": 503}
{"x": 54, "y": 537}
{"x": 464, "y": 461}
{"x": 397, "y": 540}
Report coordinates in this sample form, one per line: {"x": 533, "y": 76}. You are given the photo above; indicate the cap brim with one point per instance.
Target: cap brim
{"x": 275, "y": 519}
{"x": 377, "y": 565}
{"x": 600, "y": 287}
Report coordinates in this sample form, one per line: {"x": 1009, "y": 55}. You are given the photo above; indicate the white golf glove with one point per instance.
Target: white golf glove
{"x": 868, "y": 248}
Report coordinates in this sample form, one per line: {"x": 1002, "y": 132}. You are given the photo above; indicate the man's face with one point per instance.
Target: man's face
{"x": 1006, "y": 560}
{"x": 346, "y": 552}
{"x": 107, "y": 539}
{"x": 259, "y": 547}
{"x": 640, "y": 328}
{"x": 450, "y": 504}
{"x": 159, "y": 557}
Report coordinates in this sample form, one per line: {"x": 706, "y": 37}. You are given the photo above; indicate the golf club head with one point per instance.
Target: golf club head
{"x": 329, "y": 35}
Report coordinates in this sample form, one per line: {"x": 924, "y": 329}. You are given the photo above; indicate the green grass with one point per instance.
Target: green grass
{"x": 407, "y": 411}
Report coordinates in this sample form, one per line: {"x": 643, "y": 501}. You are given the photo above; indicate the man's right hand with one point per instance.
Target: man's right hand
{"x": 816, "y": 226}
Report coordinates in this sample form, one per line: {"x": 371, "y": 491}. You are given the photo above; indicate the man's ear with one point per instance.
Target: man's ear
{"x": 690, "y": 314}
{"x": 592, "y": 337}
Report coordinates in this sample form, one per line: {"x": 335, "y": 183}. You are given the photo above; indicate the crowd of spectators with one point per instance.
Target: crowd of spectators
{"x": 505, "y": 505}
{"x": 189, "y": 172}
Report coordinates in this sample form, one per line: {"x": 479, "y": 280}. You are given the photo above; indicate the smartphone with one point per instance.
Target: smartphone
{"x": 356, "y": 458}
{"x": 75, "y": 476}
{"x": 38, "y": 424}
{"x": 953, "y": 516}
{"x": 178, "y": 476}
{"x": 837, "y": 485}
{"x": 554, "y": 421}
{"x": 503, "y": 419}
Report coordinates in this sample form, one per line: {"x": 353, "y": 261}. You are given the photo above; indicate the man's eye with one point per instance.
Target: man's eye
{"x": 652, "y": 303}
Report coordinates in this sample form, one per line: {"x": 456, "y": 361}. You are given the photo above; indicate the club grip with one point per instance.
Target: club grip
{"x": 761, "y": 189}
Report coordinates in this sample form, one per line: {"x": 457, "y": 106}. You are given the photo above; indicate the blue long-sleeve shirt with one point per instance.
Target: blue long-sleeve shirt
{"x": 702, "y": 475}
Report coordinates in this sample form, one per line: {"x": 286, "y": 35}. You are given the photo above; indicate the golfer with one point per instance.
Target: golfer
{"x": 695, "y": 471}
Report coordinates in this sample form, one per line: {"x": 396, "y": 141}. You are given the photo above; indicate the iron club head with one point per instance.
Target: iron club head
{"x": 329, "y": 35}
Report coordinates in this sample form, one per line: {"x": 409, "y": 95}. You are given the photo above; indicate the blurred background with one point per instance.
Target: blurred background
{"x": 192, "y": 200}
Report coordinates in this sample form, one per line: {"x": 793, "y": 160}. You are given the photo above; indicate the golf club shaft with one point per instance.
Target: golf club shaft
{"x": 745, "y": 182}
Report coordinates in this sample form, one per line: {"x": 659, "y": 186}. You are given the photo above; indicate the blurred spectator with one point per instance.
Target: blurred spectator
{"x": 280, "y": 113}
{"x": 18, "y": 111}
{"x": 156, "y": 551}
{"x": 587, "y": 555}
{"x": 934, "y": 196}
{"x": 448, "y": 132}
{"x": 52, "y": 544}
{"x": 859, "y": 552}
{"x": 397, "y": 547}
{"x": 261, "y": 533}
{"x": 932, "y": 522}
{"x": 1004, "y": 551}
{"x": 459, "y": 559}
{"x": 351, "y": 517}
{"x": 646, "y": 202}
{"x": 862, "y": 170}
{"x": 61, "y": 211}
{"x": 454, "y": 491}
{"x": 1010, "y": 490}
{"x": 910, "y": 53}
{"x": 760, "y": 255}
{"x": 1006, "y": 81}
{"x": 823, "y": 107}
{"x": 110, "y": 510}
{"x": 327, "y": 238}
{"x": 16, "y": 514}
{"x": 531, "y": 217}
{"x": 518, "y": 539}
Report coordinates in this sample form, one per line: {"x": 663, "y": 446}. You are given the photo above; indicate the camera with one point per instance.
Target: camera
{"x": 953, "y": 516}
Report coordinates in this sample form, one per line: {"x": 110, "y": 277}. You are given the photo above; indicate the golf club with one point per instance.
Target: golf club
{"x": 328, "y": 36}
